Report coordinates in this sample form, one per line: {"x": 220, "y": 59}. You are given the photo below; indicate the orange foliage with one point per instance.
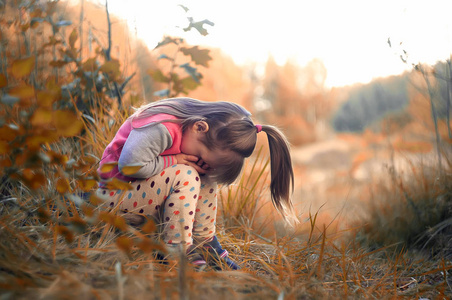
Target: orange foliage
{"x": 223, "y": 80}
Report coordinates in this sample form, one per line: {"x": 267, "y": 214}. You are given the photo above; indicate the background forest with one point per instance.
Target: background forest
{"x": 372, "y": 166}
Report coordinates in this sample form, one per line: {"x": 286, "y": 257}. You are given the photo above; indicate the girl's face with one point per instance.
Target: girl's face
{"x": 192, "y": 144}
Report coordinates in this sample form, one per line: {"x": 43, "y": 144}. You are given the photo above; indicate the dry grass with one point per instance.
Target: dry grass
{"x": 59, "y": 247}
{"x": 107, "y": 260}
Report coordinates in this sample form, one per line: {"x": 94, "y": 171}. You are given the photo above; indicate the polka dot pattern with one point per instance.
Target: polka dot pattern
{"x": 178, "y": 197}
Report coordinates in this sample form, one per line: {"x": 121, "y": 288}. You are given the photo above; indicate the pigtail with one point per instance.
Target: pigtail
{"x": 282, "y": 178}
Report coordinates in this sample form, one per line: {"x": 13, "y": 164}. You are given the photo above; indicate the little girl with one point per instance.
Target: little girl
{"x": 185, "y": 148}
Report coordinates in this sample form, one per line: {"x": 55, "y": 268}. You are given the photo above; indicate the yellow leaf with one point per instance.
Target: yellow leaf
{"x": 23, "y": 67}
{"x": 107, "y": 167}
{"x": 62, "y": 186}
{"x": 46, "y": 98}
{"x": 3, "y": 81}
{"x": 89, "y": 159}
{"x": 116, "y": 184}
{"x": 67, "y": 123}
{"x": 37, "y": 140}
{"x": 35, "y": 181}
{"x": 53, "y": 87}
{"x": 119, "y": 223}
{"x": 73, "y": 38}
{"x": 58, "y": 63}
{"x": 149, "y": 227}
{"x": 147, "y": 245}
{"x": 106, "y": 217}
{"x": 88, "y": 211}
{"x": 90, "y": 65}
{"x": 112, "y": 69}
{"x": 130, "y": 169}
{"x": 87, "y": 184}
{"x": 22, "y": 91}
{"x": 25, "y": 27}
{"x": 199, "y": 56}
{"x": 95, "y": 200}
{"x": 41, "y": 117}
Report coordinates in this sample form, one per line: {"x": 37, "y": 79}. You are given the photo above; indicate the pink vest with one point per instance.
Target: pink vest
{"x": 114, "y": 149}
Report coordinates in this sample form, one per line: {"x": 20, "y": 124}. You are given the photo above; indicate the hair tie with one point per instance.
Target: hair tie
{"x": 258, "y": 128}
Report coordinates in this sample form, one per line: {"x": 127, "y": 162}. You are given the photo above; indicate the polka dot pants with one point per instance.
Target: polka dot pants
{"x": 184, "y": 206}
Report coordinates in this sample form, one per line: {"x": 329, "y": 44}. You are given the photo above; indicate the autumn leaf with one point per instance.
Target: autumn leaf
{"x": 130, "y": 169}
{"x": 58, "y": 63}
{"x": 23, "y": 67}
{"x": 52, "y": 41}
{"x": 46, "y": 98}
{"x": 23, "y": 91}
{"x": 64, "y": 231}
{"x": 149, "y": 227}
{"x": 25, "y": 27}
{"x": 189, "y": 84}
{"x": 157, "y": 75}
{"x": 35, "y": 22}
{"x": 108, "y": 167}
{"x": 147, "y": 245}
{"x": 87, "y": 185}
{"x": 36, "y": 140}
{"x": 3, "y": 81}
{"x": 41, "y": 117}
{"x": 95, "y": 200}
{"x": 116, "y": 184}
{"x": 124, "y": 243}
{"x": 198, "y": 56}
{"x": 67, "y": 123}
{"x": 90, "y": 65}
{"x": 7, "y": 133}
{"x": 4, "y": 147}
{"x": 112, "y": 69}
{"x": 62, "y": 186}
{"x": 73, "y": 38}
{"x": 35, "y": 181}
{"x": 43, "y": 214}
{"x": 119, "y": 223}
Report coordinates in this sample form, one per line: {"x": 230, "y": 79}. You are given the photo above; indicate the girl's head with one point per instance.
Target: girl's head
{"x": 228, "y": 136}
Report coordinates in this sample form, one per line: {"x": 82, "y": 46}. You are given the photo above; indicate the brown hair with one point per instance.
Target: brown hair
{"x": 231, "y": 127}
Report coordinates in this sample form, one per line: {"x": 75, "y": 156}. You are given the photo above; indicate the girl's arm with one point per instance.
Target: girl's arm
{"x": 143, "y": 147}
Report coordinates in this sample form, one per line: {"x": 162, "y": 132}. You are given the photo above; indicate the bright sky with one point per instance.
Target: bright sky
{"x": 349, "y": 36}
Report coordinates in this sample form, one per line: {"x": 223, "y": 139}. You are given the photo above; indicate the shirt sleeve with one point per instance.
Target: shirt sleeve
{"x": 143, "y": 147}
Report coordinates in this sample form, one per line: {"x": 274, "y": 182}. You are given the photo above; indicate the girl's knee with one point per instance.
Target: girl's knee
{"x": 186, "y": 175}
{"x": 184, "y": 169}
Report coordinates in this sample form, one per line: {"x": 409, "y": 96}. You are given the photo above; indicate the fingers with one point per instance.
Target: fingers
{"x": 203, "y": 164}
{"x": 197, "y": 168}
{"x": 193, "y": 161}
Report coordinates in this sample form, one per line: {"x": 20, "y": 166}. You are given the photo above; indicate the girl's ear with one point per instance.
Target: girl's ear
{"x": 201, "y": 126}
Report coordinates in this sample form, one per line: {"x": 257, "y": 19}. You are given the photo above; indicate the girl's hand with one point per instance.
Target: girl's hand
{"x": 193, "y": 161}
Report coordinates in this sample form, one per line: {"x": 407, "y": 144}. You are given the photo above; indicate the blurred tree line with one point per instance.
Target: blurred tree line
{"x": 389, "y": 98}
{"x": 369, "y": 103}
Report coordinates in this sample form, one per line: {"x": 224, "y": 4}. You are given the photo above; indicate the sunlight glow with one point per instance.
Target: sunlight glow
{"x": 350, "y": 36}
